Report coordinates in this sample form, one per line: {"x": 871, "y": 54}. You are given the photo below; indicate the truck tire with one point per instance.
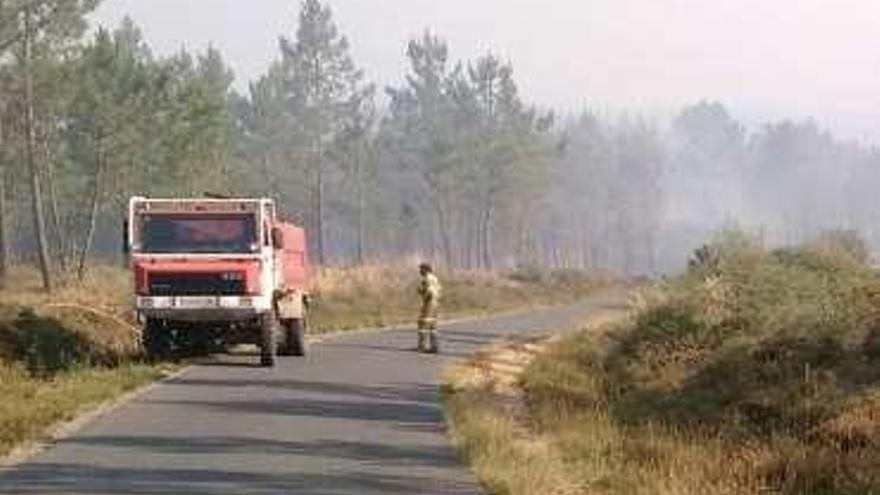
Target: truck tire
{"x": 157, "y": 340}
{"x": 268, "y": 340}
{"x": 296, "y": 336}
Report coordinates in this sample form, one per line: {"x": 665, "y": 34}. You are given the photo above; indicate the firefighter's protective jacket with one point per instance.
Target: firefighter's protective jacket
{"x": 430, "y": 288}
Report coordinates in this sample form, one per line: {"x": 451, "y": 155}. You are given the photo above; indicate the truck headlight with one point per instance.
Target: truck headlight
{"x": 154, "y": 302}
{"x": 162, "y": 302}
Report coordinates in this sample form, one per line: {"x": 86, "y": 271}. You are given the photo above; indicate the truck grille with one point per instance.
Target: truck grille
{"x": 196, "y": 284}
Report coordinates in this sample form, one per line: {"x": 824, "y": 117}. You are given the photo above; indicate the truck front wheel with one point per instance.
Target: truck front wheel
{"x": 268, "y": 340}
{"x": 156, "y": 339}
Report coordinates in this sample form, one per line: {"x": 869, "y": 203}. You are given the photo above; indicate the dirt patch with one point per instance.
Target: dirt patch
{"x": 491, "y": 424}
{"x": 500, "y": 365}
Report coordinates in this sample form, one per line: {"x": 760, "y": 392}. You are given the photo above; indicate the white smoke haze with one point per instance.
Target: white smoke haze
{"x": 764, "y": 59}
{"x": 741, "y": 113}
{"x": 644, "y": 195}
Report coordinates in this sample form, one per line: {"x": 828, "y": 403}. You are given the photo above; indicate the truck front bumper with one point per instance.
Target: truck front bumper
{"x": 203, "y": 308}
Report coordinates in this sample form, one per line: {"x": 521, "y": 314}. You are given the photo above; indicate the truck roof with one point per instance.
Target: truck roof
{"x": 197, "y": 205}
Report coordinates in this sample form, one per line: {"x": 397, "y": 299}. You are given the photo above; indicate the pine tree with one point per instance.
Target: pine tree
{"x": 196, "y": 125}
{"x": 322, "y": 92}
{"x": 35, "y": 31}
{"x": 423, "y": 128}
{"x": 108, "y": 116}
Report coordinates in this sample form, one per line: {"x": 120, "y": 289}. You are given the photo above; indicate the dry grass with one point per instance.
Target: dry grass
{"x": 65, "y": 353}
{"x": 491, "y": 425}
{"x": 31, "y": 406}
{"x": 487, "y": 415}
{"x": 561, "y": 437}
{"x": 95, "y": 315}
{"x": 381, "y": 295}
{"x": 568, "y": 394}
{"x": 98, "y": 309}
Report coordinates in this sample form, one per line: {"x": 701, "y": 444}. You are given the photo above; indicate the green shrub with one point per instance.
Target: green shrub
{"x": 756, "y": 370}
{"x": 45, "y": 345}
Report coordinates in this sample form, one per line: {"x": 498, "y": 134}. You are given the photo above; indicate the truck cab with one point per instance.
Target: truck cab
{"x": 209, "y": 273}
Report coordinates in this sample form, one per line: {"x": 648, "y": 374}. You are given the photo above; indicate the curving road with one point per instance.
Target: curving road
{"x": 360, "y": 415}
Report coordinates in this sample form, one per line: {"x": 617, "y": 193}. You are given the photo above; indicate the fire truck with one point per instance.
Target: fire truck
{"x": 214, "y": 273}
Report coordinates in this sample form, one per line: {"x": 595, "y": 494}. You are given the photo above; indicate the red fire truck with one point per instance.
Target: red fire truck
{"x": 210, "y": 273}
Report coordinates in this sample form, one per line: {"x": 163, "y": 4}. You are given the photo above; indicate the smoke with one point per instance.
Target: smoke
{"x": 643, "y": 197}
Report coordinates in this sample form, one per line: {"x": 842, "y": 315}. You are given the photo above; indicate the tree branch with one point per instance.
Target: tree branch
{"x": 43, "y": 23}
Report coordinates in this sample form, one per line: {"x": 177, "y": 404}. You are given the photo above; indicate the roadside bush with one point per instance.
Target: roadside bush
{"x": 81, "y": 324}
{"x": 754, "y": 371}
{"x": 47, "y": 346}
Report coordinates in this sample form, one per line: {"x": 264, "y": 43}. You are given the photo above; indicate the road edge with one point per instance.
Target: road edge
{"x": 466, "y": 318}
{"x": 66, "y": 429}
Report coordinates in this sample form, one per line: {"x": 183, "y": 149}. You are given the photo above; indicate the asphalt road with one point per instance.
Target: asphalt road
{"x": 360, "y": 415}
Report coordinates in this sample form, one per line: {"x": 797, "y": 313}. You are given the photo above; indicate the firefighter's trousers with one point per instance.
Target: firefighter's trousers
{"x": 428, "y": 341}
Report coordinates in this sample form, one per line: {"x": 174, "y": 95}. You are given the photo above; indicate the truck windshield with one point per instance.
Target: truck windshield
{"x": 198, "y": 234}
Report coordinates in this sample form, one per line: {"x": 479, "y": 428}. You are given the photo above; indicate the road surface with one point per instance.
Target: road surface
{"x": 360, "y": 415}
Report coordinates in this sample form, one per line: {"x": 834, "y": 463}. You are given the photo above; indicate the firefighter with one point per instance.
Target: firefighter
{"x": 429, "y": 291}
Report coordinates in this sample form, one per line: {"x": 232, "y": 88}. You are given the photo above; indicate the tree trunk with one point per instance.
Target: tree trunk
{"x": 30, "y": 156}
{"x": 60, "y": 237}
{"x": 362, "y": 227}
{"x": 469, "y": 241}
{"x": 487, "y": 237}
{"x": 445, "y": 228}
{"x": 4, "y": 250}
{"x": 97, "y": 190}
{"x": 319, "y": 212}
{"x": 477, "y": 237}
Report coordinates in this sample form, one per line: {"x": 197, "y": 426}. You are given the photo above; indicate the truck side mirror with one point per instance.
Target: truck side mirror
{"x": 277, "y": 238}
{"x": 126, "y": 241}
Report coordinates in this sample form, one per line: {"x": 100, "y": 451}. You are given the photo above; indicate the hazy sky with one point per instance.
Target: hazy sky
{"x": 763, "y": 58}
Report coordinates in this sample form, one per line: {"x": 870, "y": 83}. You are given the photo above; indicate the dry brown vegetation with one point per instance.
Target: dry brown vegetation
{"x": 380, "y": 295}
{"x": 756, "y": 372}
{"x": 64, "y": 353}
{"x": 30, "y": 406}
{"x": 491, "y": 420}
{"x": 81, "y": 324}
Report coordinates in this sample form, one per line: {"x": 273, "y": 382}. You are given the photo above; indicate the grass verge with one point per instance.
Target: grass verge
{"x": 32, "y": 406}
{"x": 64, "y": 354}
{"x": 757, "y": 371}
{"x": 489, "y": 432}
{"x": 490, "y": 419}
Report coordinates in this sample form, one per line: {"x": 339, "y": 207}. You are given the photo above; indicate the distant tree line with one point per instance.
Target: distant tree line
{"x": 637, "y": 199}
{"x": 453, "y": 165}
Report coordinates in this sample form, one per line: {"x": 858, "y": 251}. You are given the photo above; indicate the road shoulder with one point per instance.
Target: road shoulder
{"x": 490, "y": 423}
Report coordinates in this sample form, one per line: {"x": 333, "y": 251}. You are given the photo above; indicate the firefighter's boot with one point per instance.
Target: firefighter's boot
{"x": 433, "y": 342}
{"x": 423, "y": 340}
